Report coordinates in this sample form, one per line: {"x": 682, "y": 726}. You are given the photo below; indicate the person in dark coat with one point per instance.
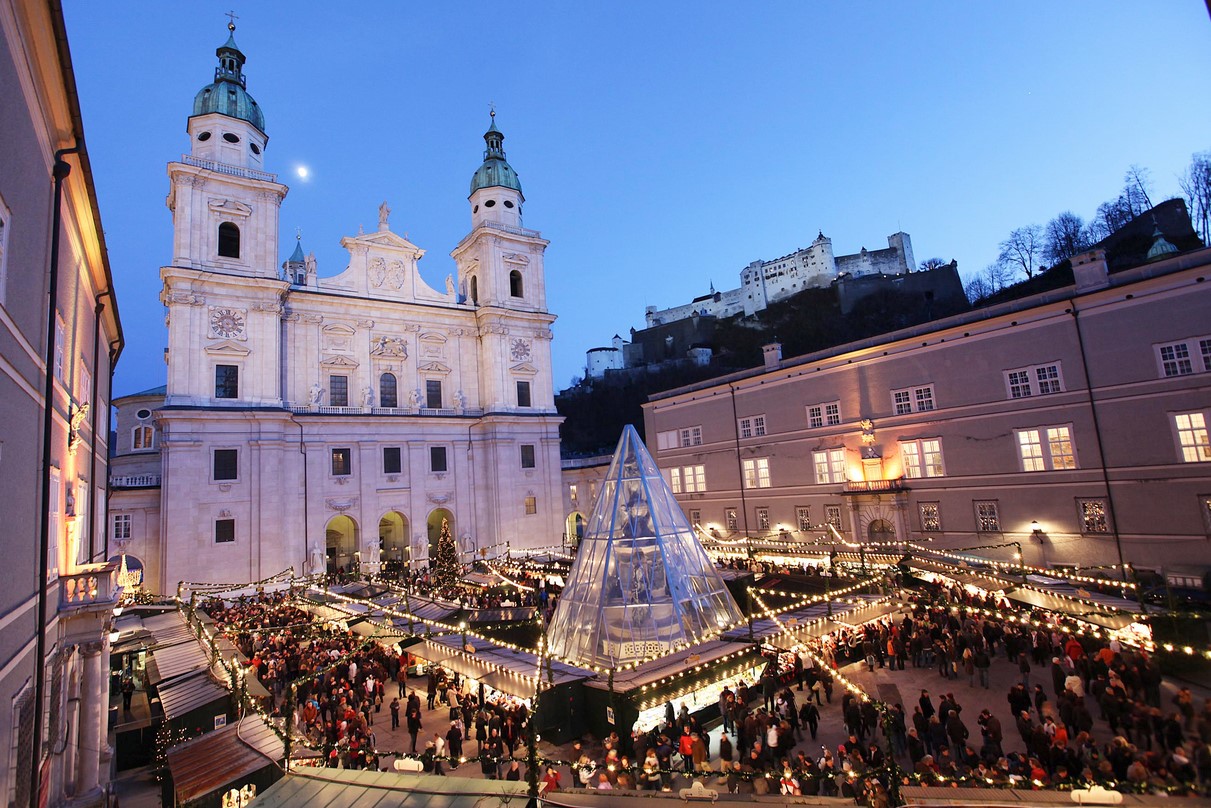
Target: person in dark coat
{"x": 809, "y": 714}
{"x": 926, "y": 705}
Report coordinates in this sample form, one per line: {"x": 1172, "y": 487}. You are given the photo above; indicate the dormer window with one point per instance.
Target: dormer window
{"x": 229, "y": 240}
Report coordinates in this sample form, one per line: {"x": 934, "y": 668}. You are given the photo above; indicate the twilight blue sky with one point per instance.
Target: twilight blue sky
{"x": 660, "y": 145}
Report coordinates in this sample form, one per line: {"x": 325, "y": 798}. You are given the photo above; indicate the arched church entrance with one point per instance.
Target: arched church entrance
{"x": 395, "y": 549}
{"x": 434, "y": 523}
{"x": 341, "y": 542}
{"x": 880, "y": 530}
{"x": 574, "y": 528}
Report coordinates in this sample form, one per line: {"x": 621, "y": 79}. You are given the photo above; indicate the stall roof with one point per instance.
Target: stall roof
{"x": 216, "y": 759}
{"x": 169, "y": 628}
{"x": 1088, "y": 612}
{"x": 866, "y": 613}
{"x": 177, "y": 660}
{"x": 1062, "y": 587}
{"x": 798, "y": 621}
{"x": 498, "y": 667}
{"x": 512, "y": 615}
{"x": 188, "y": 693}
{"x": 330, "y": 788}
{"x": 985, "y": 579}
{"x": 651, "y": 672}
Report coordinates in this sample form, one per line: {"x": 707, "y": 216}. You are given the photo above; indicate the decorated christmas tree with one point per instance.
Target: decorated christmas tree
{"x": 446, "y": 569}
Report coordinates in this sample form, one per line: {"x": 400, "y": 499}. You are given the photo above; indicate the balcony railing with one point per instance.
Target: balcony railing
{"x": 324, "y": 409}
{"x": 91, "y": 587}
{"x": 874, "y": 486}
{"x": 232, "y": 171}
{"x": 512, "y": 228}
{"x": 135, "y": 481}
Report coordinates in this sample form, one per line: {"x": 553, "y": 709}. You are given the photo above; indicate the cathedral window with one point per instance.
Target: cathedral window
{"x": 437, "y": 459}
{"x": 224, "y": 531}
{"x": 433, "y": 394}
{"x": 474, "y": 290}
{"x": 338, "y": 390}
{"x": 392, "y": 460}
{"x": 527, "y": 456}
{"x": 255, "y": 148}
{"x": 230, "y": 138}
{"x": 388, "y": 391}
{"x": 226, "y": 381}
{"x": 229, "y": 240}
{"x": 523, "y": 394}
{"x": 491, "y": 203}
{"x": 508, "y": 204}
{"x": 342, "y": 462}
{"x": 515, "y": 284}
{"x": 225, "y": 465}
{"x": 204, "y": 136}
{"x": 531, "y": 506}
{"x": 143, "y": 438}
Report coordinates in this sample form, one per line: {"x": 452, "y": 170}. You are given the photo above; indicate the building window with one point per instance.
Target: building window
{"x": 516, "y": 285}
{"x": 1175, "y": 359}
{"x": 756, "y": 472}
{"x": 679, "y": 438}
{"x": 1035, "y": 380}
{"x": 1093, "y": 515}
{"x": 523, "y": 394}
{"x": 229, "y": 240}
{"x": 141, "y": 438}
{"x": 1192, "y": 436}
{"x": 931, "y": 516}
{"x": 694, "y": 478}
{"x": 224, "y": 531}
{"x": 4, "y": 219}
{"x": 437, "y": 458}
{"x": 527, "y": 456}
{"x": 731, "y": 520}
{"x": 24, "y": 717}
{"x": 531, "y": 506}
{"x": 829, "y": 465}
{"x": 226, "y": 464}
{"x": 691, "y": 436}
{"x": 832, "y": 516}
{"x": 803, "y": 517}
{"x": 86, "y": 383}
{"x": 912, "y": 399}
{"x": 763, "y": 519}
{"x": 922, "y": 458}
{"x": 433, "y": 394}
{"x": 988, "y": 516}
{"x": 1204, "y": 351}
{"x": 695, "y": 518}
{"x": 392, "y": 460}
{"x": 819, "y": 415}
{"x": 1204, "y": 506}
{"x": 1046, "y": 448}
{"x": 60, "y": 346}
{"x": 121, "y": 527}
{"x": 388, "y": 391}
{"x": 572, "y": 491}
{"x": 753, "y": 427}
{"x": 338, "y": 391}
{"x": 342, "y": 462}
{"x": 226, "y": 381}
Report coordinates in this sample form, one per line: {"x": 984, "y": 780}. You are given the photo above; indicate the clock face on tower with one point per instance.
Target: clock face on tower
{"x": 519, "y": 350}
{"x": 226, "y": 322}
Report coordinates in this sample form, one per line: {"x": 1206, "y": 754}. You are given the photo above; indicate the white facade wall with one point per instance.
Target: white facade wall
{"x": 1156, "y": 507}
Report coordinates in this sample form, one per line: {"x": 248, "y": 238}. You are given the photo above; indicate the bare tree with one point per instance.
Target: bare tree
{"x": 1196, "y": 185}
{"x": 1137, "y": 182}
{"x": 1021, "y": 251}
{"x": 992, "y": 279}
{"x": 933, "y": 263}
{"x": 977, "y": 288}
{"x": 1064, "y": 237}
{"x": 1133, "y": 200}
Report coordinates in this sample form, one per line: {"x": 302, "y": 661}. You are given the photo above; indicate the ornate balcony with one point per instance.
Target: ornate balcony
{"x": 874, "y": 486}
{"x": 92, "y": 587}
{"x": 135, "y": 481}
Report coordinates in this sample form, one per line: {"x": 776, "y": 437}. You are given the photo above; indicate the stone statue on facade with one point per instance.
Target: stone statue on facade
{"x": 450, "y": 285}
{"x": 384, "y": 213}
{"x": 460, "y": 401}
{"x": 367, "y": 396}
{"x": 414, "y": 399}
{"x": 317, "y": 394}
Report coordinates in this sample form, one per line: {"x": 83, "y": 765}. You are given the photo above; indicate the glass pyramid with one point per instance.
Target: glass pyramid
{"x": 641, "y": 585}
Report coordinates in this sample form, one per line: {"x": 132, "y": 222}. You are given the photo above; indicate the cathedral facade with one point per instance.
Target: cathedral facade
{"x": 318, "y": 423}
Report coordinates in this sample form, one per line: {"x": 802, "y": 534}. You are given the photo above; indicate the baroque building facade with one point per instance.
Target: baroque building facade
{"x": 319, "y": 423}
{"x": 60, "y": 336}
{"x": 1072, "y": 423}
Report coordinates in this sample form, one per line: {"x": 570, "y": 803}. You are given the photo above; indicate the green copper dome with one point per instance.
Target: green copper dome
{"x": 495, "y": 171}
{"x": 228, "y": 95}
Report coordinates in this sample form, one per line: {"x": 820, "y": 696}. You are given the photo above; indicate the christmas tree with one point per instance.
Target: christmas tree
{"x": 446, "y": 569}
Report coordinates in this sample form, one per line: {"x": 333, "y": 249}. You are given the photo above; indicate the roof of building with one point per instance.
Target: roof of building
{"x": 495, "y": 171}
{"x": 330, "y": 787}
{"x": 160, "y": 391}
{"x": 213, "y": 761}
{"x": 227, "y": 94}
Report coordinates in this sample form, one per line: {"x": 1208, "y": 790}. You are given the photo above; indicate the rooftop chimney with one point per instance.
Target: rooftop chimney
{"x": 772, "y": 354}
{"x": 1090, "y": 272}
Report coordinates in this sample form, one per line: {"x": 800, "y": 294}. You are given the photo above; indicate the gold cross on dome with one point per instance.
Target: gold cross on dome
{"x": 231, "y": 18}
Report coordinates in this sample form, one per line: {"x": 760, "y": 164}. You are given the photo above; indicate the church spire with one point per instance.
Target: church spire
{"x": 495, "y": 170}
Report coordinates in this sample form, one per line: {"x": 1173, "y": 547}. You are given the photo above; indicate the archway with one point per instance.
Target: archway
{"x": 341, "y": 542}
{"x": 574, "y": 528}
{"x": 395, "y": 548}
{"x": 434, "y": 523}
{"x": 880, "y": 530}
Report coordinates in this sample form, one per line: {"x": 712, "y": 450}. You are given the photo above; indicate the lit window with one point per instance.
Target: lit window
{"x": 1093, "y": 516}
{"x": 922, "y": 458}
{"x": 572, "y": 492}
{"x": 731, "y": 520}
{"x": 531, "y": 506}
{"x": 756, "y": 472}
{"x": 829, "y": 465}
{"x": 226, "y": 381}
{"x": 912, "y": 399}
{"x": 674, "y": 478}
{"x": 342, "y": 462}
{"x": 931, "y": 516}
{"x": 832, "y": 516}
{"x": 695, "y": 518}
{"x": 988, "y": 517}
{"x": 763, "y": 519}
{"x": 1192, "y": 436}
{"x": 225, "y": 465}
{"x": 527, "y": 456}
{"x": 60, "y": 341}
{"x": 803, "y": 517}
{"x": 1046, "y": 448}
{"x": 121, "y": 530}
{"x": 753, "y": 427}
{"x": 86, "y": 383}
{"x": 694, "y": 479}
{"x": 338, "y": 391}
